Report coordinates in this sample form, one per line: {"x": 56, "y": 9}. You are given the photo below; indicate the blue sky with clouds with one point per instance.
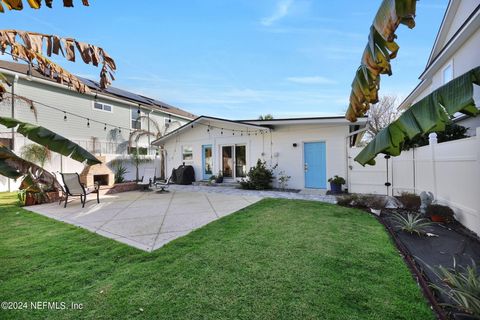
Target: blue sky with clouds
{"x": 238, "y": 58}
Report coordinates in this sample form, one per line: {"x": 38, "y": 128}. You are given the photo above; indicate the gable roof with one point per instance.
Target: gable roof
{"x": 446, "y": 36}
{"x": 266, "y": 125}
{"x": 114, "y": 92}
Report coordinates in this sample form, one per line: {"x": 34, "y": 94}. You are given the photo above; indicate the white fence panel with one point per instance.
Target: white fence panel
{"x": 450, "y": 170}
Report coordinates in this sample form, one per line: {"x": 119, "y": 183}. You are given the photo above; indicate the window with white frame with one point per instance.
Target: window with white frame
{"x": 135, "y": 123}
{"x": 102, "y": 106}
{"x": 448, "y": 73}
{"x": 187, "y": 153}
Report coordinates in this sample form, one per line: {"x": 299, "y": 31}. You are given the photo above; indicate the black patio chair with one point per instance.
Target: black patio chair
{"x": 74, "y": 188}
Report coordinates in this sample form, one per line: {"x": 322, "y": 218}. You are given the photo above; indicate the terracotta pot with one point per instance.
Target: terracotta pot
{"x": 30, "y": 199}
{"x": 52, "y": 196}
{"x": 437, "y": 218}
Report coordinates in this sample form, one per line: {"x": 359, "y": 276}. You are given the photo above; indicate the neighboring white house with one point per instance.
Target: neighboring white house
{"x": 456, "y": 51}
{"x": 106, "y": 116}
{"x": 310, "y": 150}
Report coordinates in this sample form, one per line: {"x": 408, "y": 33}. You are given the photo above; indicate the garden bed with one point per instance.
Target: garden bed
{"x": 447, "y": 245}
{"x": 123, "y": 187}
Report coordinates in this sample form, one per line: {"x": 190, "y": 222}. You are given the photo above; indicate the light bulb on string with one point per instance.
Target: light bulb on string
{"x": 64, "y": 116}
{"x": 88, "y": 123}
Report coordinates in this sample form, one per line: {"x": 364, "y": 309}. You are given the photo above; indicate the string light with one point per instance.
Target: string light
{"x": 138, "y": 110}
{"x": 209, "y": 126}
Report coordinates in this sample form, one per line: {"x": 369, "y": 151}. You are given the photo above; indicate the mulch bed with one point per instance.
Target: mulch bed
{"x": 452, "y": 243}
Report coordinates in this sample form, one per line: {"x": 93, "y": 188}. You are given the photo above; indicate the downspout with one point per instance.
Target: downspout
{"x": 12, "y": 144}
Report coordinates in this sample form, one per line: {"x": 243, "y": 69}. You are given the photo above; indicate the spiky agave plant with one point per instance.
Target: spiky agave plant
{"x": 412, "y": 223}
{"x": 462, "y": 286}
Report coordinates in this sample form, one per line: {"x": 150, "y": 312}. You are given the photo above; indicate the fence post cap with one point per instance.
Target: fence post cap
{"x": 432, "y": 138}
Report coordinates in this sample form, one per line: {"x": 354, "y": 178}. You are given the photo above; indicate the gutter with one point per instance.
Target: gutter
{"x": 92, "y": 94}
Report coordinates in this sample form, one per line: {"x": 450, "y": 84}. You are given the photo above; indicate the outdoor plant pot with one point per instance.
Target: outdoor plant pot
{"x": 52, "y": 196}
{"x": 438, "y": 218}
{"x": 335, "y": 188}
{"x": 30, "y": 199}
{"x": 219, "y": 180}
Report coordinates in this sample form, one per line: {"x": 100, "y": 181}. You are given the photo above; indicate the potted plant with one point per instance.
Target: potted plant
{"x": 439, "y": 213}
{"x": 336, "y": 184}
{"x": 219, "y": 177}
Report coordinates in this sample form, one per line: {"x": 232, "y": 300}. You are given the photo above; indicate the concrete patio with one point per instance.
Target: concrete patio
{"x": 147, "y": 220}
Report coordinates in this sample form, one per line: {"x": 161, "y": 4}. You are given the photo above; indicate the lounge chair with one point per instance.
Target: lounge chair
{"x": 60, "y": 182}
{"x": 163, "y": 185}
{"x": 148, "y": 178}
{"x": 74, "y": 188}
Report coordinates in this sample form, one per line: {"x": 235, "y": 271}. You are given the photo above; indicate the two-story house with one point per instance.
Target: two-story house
{"x": 101, "y": 121}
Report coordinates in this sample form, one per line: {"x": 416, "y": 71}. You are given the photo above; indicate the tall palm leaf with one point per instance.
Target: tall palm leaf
{"x": 428, "y": 115}
{"x": 34, "y": 4}
{"x": 55, "y": 142}
{"x": 380, "y": 49}
{"x": 29, "y": 46}
{"x": 14, "y": 167}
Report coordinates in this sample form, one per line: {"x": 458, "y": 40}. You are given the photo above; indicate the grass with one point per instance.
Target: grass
{"x": 277, "y": 259}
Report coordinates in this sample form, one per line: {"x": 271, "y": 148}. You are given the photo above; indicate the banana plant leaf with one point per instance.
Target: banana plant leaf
{"x": 14, "y": 167}
{"x": 428, "y": 115}
{"x": 50, "y": 139}
{"x": 380, "y": 49}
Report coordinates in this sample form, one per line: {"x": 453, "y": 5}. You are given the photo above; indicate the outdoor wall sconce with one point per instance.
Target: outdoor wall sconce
{"x": 295, "y": 145}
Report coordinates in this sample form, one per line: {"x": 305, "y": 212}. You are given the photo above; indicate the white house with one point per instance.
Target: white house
{"x": 455, "y": 51}
{"x": 310, "y": 150}
{"x": 100, "y": 121}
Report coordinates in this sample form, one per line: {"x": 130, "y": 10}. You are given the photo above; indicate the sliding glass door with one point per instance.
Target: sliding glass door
{"x": 234, "y": 161}
{"x": 227, "y": 161}
{"x": 240, "y": 161}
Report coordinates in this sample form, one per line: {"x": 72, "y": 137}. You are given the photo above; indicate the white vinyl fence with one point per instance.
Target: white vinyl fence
{"x": 451, "y": 170}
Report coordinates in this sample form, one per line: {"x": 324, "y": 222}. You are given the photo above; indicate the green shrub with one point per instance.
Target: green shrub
{"x": 410, "y": 201}
{"x": 259, "y": 177}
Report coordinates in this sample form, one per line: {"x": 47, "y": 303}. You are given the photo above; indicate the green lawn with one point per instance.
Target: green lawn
{"x": 277, "y": 259}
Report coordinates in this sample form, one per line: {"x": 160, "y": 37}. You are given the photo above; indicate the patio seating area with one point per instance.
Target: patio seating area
{"x": 147, "y": 220}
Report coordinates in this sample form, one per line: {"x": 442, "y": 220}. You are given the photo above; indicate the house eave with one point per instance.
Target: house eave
{"x": 207, "y": 121}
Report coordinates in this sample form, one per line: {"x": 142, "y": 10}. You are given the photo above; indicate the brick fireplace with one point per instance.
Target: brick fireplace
{"x": 98, "y": 173}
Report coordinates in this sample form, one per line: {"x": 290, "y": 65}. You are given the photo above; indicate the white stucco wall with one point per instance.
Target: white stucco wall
{"x": 275, "y": 147}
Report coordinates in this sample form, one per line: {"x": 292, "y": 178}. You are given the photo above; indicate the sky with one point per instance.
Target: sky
{"x": 238, "y": 59}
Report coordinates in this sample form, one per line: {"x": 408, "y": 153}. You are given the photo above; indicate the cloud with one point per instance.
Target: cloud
{"x": 282, "y": 9}
{"x": 311, "y": 80}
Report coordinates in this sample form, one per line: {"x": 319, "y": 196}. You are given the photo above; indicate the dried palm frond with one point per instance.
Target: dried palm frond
{"x": 31, "y": 49}
{"x": 381, "y": 48}
{"x": 34, "y": 4}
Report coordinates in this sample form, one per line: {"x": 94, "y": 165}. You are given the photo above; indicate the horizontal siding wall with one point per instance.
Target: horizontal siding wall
{"x": 451, "y": 170}
{"x": 94, "y": 138}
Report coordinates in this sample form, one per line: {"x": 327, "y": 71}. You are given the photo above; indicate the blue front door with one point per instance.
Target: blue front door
{"x": 315, "y": 165}
{"x": 207, "y": 161}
